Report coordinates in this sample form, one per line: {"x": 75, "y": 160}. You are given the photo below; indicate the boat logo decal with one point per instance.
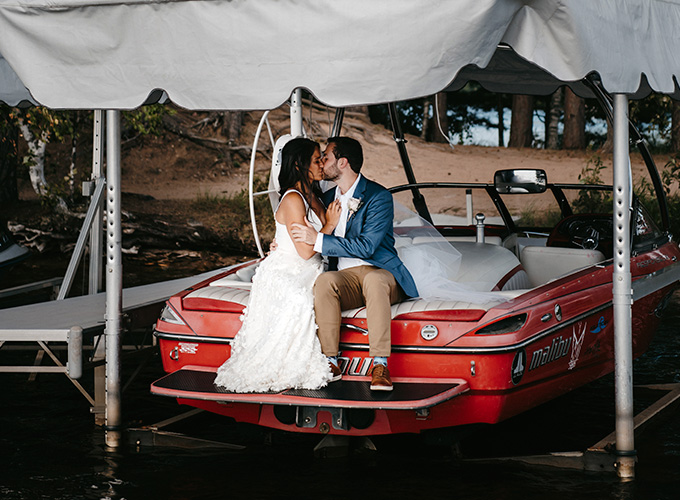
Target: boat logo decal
{"x": 652, "y": 260}
{"x": 600, "y": 325}
{"x": 556, "y": 350}
{"x": 578, "y": 334}
{"x": 518, "y": 366}
{"x": 354, "y": 366}
{"x": 186, "y": 348}
{"x": 429, "y": 332}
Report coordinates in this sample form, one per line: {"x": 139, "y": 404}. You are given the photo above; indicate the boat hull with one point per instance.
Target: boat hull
{"x": 565, "y": 341}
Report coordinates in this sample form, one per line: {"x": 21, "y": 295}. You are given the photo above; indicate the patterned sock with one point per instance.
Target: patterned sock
{"x": 380, "y": 360}
{"x": 333, "y": 359}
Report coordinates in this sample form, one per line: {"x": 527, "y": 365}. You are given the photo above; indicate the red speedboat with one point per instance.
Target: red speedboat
{"x": 547, "y": 331}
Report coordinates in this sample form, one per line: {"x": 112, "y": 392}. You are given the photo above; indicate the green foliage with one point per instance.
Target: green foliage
{"x": 234, "y": 212}
{"x": 48, "y": 124}
{"x": 670, "y": 180}
{"x": 532, "y": 217}
{"x": 8, "y": 134}
{"x": 146, "y": 120}
{"x": 458, "y": 104}
{"x": 651, "y": 116}
{"x": 601, "y": 201}
{"x": 590, "y": 201}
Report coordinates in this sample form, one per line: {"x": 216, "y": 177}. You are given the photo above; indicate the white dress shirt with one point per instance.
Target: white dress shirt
{"x": 343, "y": 262}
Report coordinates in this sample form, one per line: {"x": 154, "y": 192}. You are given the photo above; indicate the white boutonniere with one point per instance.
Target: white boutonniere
{"x": 353, "y": 205}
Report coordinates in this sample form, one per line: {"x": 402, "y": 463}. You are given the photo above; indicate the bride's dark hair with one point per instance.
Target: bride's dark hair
{"x": 296, "y": 158}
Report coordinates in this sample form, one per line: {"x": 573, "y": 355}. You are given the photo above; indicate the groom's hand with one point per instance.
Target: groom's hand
{"x": 304, "y": 233}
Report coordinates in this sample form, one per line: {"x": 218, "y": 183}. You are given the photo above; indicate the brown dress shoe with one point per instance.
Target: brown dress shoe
{"x": 380, "y": 379}
{"x": 336, "y": 374}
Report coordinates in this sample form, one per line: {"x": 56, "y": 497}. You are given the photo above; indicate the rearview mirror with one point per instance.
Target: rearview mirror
{"x": 520, "y": 181}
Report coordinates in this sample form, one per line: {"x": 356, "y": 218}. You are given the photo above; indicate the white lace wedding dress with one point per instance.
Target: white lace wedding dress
{"x": 277, "y": 347}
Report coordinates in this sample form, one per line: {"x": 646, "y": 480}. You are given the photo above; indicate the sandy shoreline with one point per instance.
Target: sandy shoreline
{"x": 178, "y": 172}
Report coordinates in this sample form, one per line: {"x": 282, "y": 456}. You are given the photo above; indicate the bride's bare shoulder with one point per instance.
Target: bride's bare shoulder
{"x": 291, "y": 207}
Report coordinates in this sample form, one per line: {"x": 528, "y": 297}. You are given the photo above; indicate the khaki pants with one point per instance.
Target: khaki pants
{"x": 336, "y": 291}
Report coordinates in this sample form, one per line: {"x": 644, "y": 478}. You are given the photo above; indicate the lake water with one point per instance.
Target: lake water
{"x": 51, "y": 449}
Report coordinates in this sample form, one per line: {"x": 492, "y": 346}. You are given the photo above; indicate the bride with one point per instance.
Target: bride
{"x": 277, "y": 347}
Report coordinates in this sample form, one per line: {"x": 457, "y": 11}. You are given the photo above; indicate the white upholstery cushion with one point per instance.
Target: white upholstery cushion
{"x": 242, "y": 278}
{"x": 483, "y": 266}
{"x": 491, "y": 240}
{"x": 543, "y": 264}
{"x": 484, "y": 263}
{"x": 223, "y": 293}
{"x": 418, "y": 305}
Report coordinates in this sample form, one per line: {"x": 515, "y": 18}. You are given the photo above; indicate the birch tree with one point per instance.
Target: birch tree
{"x": 37, "y": 126}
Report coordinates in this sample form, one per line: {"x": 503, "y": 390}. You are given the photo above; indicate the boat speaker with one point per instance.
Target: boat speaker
{"x": 285, "y": 414}
{"x": 361, "y": 418}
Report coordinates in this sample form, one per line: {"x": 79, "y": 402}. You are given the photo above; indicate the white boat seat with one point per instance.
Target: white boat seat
{"x": 484, "y": 267}
{"x": 230, "y": 298}
{"x": 543, "y": 264}
{"x": 491, "y": 240}
{"x": 243, "y": 278}
{"x": 421, "y": 305}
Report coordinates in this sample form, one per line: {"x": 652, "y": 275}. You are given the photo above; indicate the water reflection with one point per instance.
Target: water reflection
{"x": 51, "y": 449}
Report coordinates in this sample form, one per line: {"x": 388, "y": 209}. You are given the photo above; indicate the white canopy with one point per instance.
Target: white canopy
{"x": 250, "y": 54}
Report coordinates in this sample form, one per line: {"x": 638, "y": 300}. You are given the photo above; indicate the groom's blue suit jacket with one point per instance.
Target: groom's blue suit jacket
{"x": 369, "y": 234}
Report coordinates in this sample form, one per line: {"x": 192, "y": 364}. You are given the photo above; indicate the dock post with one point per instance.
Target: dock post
{"x": 623, "y": 295}
{"x": 114, "y": 280}
{"x": 74, "y": 366}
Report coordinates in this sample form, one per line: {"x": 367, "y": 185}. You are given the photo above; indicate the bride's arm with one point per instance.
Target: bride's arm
{"x": 290, "y": 211}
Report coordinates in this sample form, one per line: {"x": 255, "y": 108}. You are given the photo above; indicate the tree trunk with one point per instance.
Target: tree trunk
{"x": 9, "y": 162}
{"x": 574, "y": 121}
{"x": 35, "y": 158}
{"x": 427, "y": 104}
{"x": 675, "y": 127}
{"x": 233, "y": 123}
{"x": 521, "y": 126}
{"x": 552, "y": 124}
{"x": 441, "y": 130}
{"x": 608, "y": 146}
{"x": 501, "y": 123}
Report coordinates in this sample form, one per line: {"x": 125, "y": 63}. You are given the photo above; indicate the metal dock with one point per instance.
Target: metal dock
{"x": 55, "y": 323}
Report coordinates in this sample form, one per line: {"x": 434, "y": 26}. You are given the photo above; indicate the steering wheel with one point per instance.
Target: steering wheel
{"x": 591, "y": 231}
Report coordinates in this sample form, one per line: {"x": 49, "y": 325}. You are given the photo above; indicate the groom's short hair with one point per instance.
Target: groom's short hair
{"x": 350, "y": 149}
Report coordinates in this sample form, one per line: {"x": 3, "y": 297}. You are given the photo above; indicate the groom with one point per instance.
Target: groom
{"x": 364, "y": 268}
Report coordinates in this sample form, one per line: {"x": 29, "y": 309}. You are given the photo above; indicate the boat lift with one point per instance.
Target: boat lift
{"x": 622, "y": 301}
{"x": 69, "y": 320}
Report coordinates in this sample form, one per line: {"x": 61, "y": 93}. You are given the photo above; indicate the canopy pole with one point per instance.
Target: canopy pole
{"x": 114, "y": 279}
{"x": 251, "y": 183}
{"x": 96, "y": 265}
{"x": 418, "y": 199}
{"x": 95, "y": 271}
{"x": 623, "y": 295}
{"x": 296, "y": 113}
{"x": 337, "y": 122}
